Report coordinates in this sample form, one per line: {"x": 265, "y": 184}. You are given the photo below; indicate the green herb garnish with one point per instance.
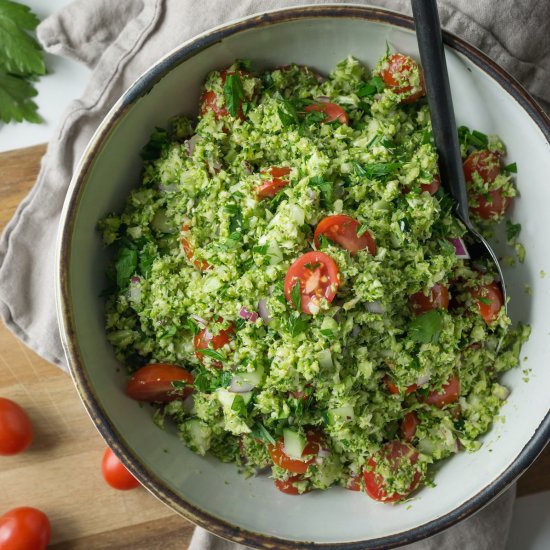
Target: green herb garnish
{"x": 233, "y": 93}
{"x": 426, "y": 327}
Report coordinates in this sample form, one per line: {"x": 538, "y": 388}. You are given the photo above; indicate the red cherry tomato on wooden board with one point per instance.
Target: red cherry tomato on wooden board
{"x": 332, "y": 112}
{"x": 397, "y": 454}
{"x": 408, "y": 426}
{"x": 287, "y": 486}
{"x": 448, "y": 394}
{"x": 317, "y": 275}
{"x": 271, "y": 187}
{"x": 153, "y": 383}
{"x": 489, "y": 300}
{"x": 24, "y": 528}
{"x": 437, "y": 298}
{"x": 206, "y": 339}
{"x": 396, "y": 77}
{"x": 343, "y": 231}
{"x": 116, "y": 474}
{"x": 297, "y": 466}
{"x": 15, "y": 428}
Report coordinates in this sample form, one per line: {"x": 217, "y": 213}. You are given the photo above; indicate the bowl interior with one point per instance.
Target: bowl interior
{"x": 255, "y": 505}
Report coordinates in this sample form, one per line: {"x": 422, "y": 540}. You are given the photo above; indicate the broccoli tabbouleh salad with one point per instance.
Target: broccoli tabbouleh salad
{"x": 290, "y": 286}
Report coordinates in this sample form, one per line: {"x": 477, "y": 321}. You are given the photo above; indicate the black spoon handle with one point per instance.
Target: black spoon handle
{"x": 432, "y": 56}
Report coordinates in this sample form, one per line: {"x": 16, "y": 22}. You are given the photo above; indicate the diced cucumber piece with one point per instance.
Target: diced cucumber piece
{"x": 253, "y": 378}
{"x": 226, "y": 398}
{"x": 294, "y": 443}
{"x": 345, "y": 412}
{"x": 329, "y": 324}
{"x": 500, "y": 392}
{"x": 325, "y": 359}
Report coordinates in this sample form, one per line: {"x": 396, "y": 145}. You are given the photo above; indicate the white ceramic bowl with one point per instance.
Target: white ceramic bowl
{"x": 213, "y": 494}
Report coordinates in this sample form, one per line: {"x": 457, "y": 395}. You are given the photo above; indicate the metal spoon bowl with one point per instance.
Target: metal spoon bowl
{"x": 438, "y": 91}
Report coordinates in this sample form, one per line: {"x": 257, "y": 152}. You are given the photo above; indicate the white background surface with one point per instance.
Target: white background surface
{"x": 65, "y": 82}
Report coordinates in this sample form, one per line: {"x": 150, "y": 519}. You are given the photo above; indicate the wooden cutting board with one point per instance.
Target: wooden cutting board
{"x": 61, "y": 472}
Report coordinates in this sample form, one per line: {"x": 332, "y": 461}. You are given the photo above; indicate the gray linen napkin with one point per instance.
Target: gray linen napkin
{"x": 121, "y": 39}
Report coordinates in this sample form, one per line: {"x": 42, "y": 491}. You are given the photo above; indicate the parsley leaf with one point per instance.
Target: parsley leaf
{"x": 191, "y": 325}
{"x": 16, "y": 99}
{"x": 20, "y": 53}
{"x": 484, "y": 300}
{"x": 207, "y": 381}
{"x": 361, "y": 230}
{"x": 259, "y": 431}
{"x": 233, "y": 93}
{"x": 297, "y": 324}
{"x": 157, "y": 144}
{"x": 378, "y": 170}
{"x": 287, "y": 114}
{"x": 511, "y": 168}
{"x": 373, "y": 86}
{"x": 213, "y": 354}
{"x": 125, "y": 266}
{"x": 296, "y": 296}
{"x": 21, "y": 61}
{"x": 238, "y": 405}
{"x": 326, "y": 190}
{"x": 512, "y": 230}
{"x": 426, "y": 327}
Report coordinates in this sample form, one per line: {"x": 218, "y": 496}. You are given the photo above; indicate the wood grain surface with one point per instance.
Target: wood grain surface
{"x": 61, "y": 472}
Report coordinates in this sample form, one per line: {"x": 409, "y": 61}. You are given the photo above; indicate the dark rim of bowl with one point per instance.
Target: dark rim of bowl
{"x": 78, "y": 370}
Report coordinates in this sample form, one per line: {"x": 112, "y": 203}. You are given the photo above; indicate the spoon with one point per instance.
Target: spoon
{"x": 438, "y": 90}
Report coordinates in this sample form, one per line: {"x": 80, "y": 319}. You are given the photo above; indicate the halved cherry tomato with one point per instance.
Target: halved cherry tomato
{"x": 332, "y": 111}
{"x": 271, "y": 187}
{"x": 116, "y": 474}
{"x": 438, "y": 298}
{"x": 448, "y": 394}
{"x": 202, "y": 265}
{"x": 205, "y": 339}
{"x": 24, "y": 528}
{"x": 287, "y": 486}
{"x": 408, "y": 426}
{"x": 210, "y": 101}
{"x": 396, "y": 453}
{"x": 487, "y": 165}
{"x": 343, "y": 231}
{"x": 489, "y": 300}
{"x": 431, "y": 188}
{"x": 153, "y": 383}
{"x": 297, "y": 466}
{"x": 393, "y": 389}
{"x": 396, "y": 76}
{"x": 15, "y": 428}
{"x": 493, "y": 206}
{"x": 354, "y": 483}
{"x": 317, "y": 275}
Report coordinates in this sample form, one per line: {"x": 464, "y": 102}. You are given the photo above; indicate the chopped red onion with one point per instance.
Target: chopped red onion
{"x": 135, "y": 279}
{"x": 251, "y": 316}
{"x": 199, "y": 320}
{"x": 263, "y": 311}
{"x": 323, "y": 453}
{"x": 247, "y": 167}
{"x": 460, "y": 248}
{"x": 238, "y": 385}
{"x": 134, "y": 291}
